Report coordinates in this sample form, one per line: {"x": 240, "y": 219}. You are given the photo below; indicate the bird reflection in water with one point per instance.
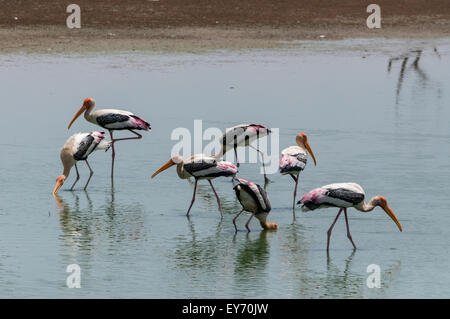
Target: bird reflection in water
{"x": 353, "y": 284}
{"x": 71, "y": 221}
{"x": 251, "y": 261}
{"x": 112, "y": 224}
{"x": 252, "y": 254}
{"x": 405, "y": 69}
{"x": 194, "y": 253}
{"x": 348, "y": 283}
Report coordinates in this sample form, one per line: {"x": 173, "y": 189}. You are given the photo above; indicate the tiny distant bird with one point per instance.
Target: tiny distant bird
{"x": 112, "y": 120}
{"x": 200, "y": 167}
{"x": 253, "y": 199}
{"x": 293, "y": 160}
{"x": 77, "y": 148}
{"x": 243, "y": 135}
{"x": 344, "y": 195}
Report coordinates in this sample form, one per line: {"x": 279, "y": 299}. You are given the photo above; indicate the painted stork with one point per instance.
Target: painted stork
{"x": 253, "y": 199}
{"x": 112, "y": 120}
{"x": 293, "y": 160}
{"x": 243, "y": 135}
{"x": 77, "y": 148}
{"x": 344, "y": 195}
{"x": 200, "y": 167}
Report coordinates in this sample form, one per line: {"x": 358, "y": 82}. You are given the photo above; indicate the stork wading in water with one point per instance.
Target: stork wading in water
{"x": 253, "y": 199}
{"x": 243, "y": 135}
{"x": 77, "y": 148}
{"x": 112, "y": 120}
{"x": 344, "y": 195}
{"x": 200, "y": 167}
{"x": 293, "y": 160}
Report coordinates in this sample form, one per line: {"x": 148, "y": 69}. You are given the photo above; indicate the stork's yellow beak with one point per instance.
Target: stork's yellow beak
{"x": 80, "y": 111}
{"x": 310, "y": 152}
{"x": 164, "y": 167}
{"x": 58, "y": 185}
{"x": 391, "y": 214}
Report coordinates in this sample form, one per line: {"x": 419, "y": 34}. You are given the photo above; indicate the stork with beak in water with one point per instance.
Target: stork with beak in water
{"x": 253, "y": 199}
{"x": 77, "y": 148}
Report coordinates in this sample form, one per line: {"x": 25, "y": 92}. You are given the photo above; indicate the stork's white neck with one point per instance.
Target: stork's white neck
{"x": 180, "y": 170}
{"x": 363, "y": 207}
{"x": 88, "y": 115}
{"x": 68, "y": 162}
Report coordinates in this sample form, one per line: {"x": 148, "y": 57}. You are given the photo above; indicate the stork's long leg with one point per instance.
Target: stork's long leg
{"x": 90, "y": 175}
{"x": 78, "y": 177}
{"x": 295, "y": 191}
{"x": 248, "y": 222}
{"x": 139, "y": 136}
{"x": 235, "y": 154}
{"x": 193, "y": 198}
{"x": 218, "y": 199}
{"x": 113, "y": 154}
{"x": 348, "y": 229}
{"x": 234, "y": 219}
{"x": 331, "y": 228}
{"x": 262, "y": 160}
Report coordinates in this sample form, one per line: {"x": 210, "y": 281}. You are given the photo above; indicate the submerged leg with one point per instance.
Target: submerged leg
{"x": 262, "y": 160}
{"x": 248, "y": 222}
{"x": 331, "y": 228}
{"x": 90, "y": 175}
{"x": 113, "y": 154}
{"x": 78, "y": 177}
{"x": 193, "y": 198}
{"x": 138, "y": 136}
{"x": 348, "y": 229}
{"x": 218, "y": 199}
{"x": 234, "y": 219}
{"x": 235, "y": 154}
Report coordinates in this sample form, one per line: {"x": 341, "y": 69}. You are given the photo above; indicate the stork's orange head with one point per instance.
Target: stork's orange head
{"x": 59, "y": 183}
{"x": 271, "y": 226}
{"x": 88, "y": 101}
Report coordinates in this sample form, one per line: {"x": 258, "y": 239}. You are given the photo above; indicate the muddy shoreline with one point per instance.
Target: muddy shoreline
{"x": 175, "y": 25}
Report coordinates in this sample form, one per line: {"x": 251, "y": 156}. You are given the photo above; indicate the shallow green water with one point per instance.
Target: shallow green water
{"x": 386, "y": 128}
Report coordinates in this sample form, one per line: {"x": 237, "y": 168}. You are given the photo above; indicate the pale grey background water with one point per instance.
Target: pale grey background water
{"x": 133, "y": 240}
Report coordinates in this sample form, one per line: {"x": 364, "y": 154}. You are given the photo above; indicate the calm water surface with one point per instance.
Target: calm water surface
{"x": 377, "y": 118}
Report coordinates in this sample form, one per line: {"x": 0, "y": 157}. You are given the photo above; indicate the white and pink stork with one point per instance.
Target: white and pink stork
{"x": 77, "y": 148}
{"x": 344, "y": 195}
{"x": 112, "y": 120}
{"x": 253, "y": 199}
{"x": 200, "y": 167}
{"x": 293, "y": 160}
{"x": 243, "y": 135}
